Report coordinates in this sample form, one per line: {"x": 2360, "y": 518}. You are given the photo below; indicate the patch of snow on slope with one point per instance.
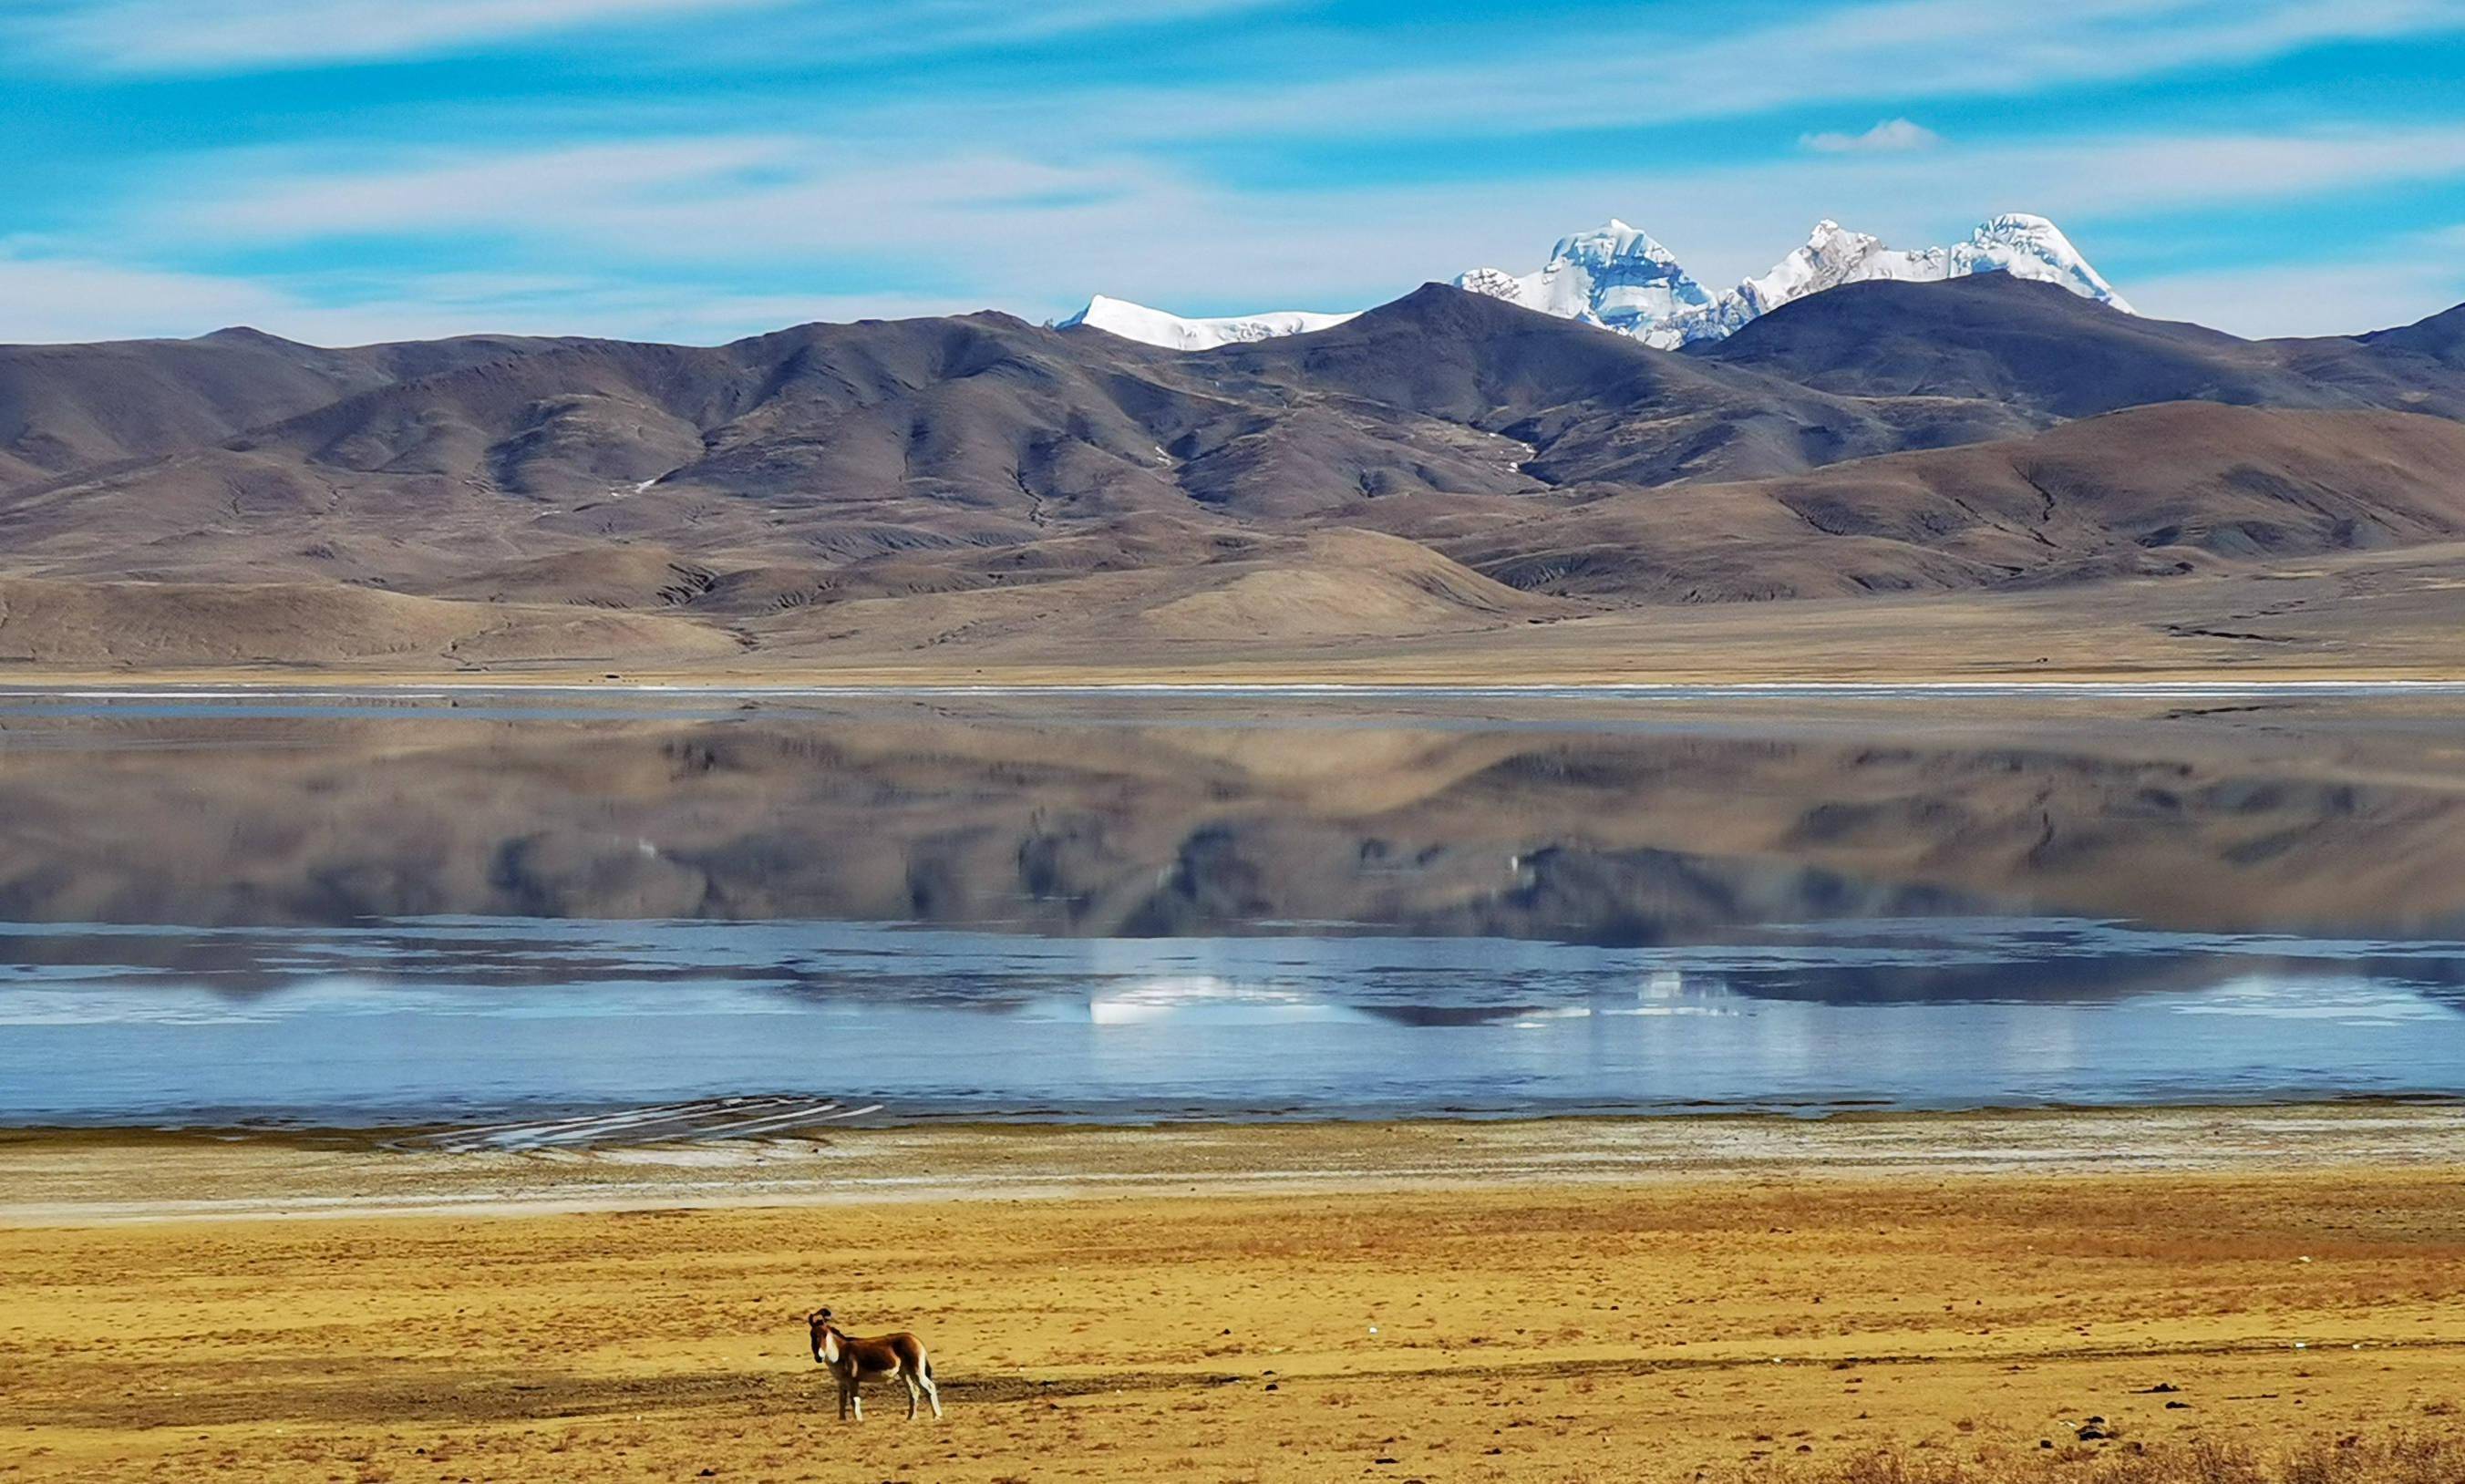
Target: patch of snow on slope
{"x": 1174, "y": 332}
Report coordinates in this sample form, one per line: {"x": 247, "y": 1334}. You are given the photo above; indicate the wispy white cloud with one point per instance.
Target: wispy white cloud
{"x": 1612, "y": 74}
{"x": 1030, "y": 232}
{"x": 2337, "y": 297}
{"x": 657, "y": 238}
{"x": 723, "y": 199}
{"x": 1892, "y": 136}
{"x": 53, "y": 299}
{"x": 1029, "y": 198}
{"x": 822, "y": 35}
{"x": 201, "y": 35}
{"x": 1606, "y": 72}
{"x": 280, "y": 194}
{"x": 2159, "y": 171}
{"x": 47, "y": 298}
{"x": 156, "y": 36}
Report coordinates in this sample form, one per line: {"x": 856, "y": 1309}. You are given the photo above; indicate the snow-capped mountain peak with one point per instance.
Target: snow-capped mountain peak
{"x": 1175, "y": 332}
{"x": 1588, "y": 276}
{"x": 1618, "y": 278}
{"x": 1614, "y": 275}
{"x": 1831, "y": 256}
{"x": 1612, "y": 241}
{"x": 2017, "y": 243}
{"x": 2032, "y": 246}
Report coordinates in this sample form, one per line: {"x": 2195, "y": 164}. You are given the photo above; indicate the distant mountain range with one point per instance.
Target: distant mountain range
{"x": 978, "y": 487}
{"x": 1617, "y": 277}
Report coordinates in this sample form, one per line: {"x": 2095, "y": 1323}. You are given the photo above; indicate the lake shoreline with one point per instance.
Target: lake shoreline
{"x": 448, "y": 1134}
{"x": 78, "y": 1177}
{"x": 1268, "y": 682}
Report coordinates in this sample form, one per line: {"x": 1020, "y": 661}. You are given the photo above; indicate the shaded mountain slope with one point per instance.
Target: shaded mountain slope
{"x": 2150, "y": 490}
{"x": 1584, "y": 406}
{"x": 2051, "y": 354}
{"x": 65, "y": 408}
{"x": 2439, "y": 338}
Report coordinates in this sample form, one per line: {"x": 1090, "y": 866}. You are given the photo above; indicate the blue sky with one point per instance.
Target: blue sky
{"x": 345, "y": 171}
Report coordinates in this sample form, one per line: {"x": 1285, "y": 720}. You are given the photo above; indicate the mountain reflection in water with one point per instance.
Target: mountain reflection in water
{"x": 2276, "y": 889}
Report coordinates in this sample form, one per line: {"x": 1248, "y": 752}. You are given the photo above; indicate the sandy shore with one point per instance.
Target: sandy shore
{"x": 102, "y": 1177}
{"x": 1550, "y": 1300}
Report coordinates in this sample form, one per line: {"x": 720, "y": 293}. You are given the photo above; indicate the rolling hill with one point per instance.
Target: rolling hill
{"x": 918, "y": 491}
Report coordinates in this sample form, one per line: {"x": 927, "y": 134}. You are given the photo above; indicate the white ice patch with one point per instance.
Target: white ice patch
{"x": 1174, "y": 332}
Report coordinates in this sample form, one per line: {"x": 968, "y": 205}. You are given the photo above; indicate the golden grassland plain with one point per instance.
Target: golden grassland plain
{"x": 2113, "y": 1296}
{"x": 2366, "y": 617}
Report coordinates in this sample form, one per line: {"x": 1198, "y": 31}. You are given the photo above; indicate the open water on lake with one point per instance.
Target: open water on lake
{"x": 332, "y": 909}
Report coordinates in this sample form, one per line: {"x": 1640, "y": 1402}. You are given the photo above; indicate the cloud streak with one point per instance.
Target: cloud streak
{"x": 2369, "y": 292}
{"x": 1030, "y": 233}
{"x": 51, "y": 299}
{"x": 1892, "y": 136}
{"x": 947, "y": 152}
{"x": 207, "y": 36}
{"x": 181, "y": 36}
{"x": 1612, "y": 76}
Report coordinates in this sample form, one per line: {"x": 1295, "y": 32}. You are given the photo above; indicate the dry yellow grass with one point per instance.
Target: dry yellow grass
{"x": 2402, "y": 1458}
{"x": 1922, "y": 1327}
{"x": 2369, "y": 615}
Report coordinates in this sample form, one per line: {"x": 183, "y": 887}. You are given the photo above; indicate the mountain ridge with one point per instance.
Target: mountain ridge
{"x": 1446, "y": 463}
{"x": 1619, "y": 277}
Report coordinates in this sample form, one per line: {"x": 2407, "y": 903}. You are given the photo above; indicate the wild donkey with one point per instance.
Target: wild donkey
{"x": 852, "y": 1360}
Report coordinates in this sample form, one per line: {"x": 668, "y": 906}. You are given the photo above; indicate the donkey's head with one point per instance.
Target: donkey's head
{"x": 826, "y": 1336}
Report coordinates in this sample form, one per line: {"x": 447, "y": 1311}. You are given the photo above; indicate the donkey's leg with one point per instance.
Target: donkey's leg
{"x": 914, "y": 1391}
{"x": 856, "y": 1397}
{"x": 843, "y": 1397}
{"x": 932, "y": 1392}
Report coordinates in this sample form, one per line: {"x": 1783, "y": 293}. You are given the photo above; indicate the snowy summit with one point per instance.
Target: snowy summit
{"x": 2024, "y": 246}
{"x": 1156, "y": 327}
{"x": 1616, "y": 277}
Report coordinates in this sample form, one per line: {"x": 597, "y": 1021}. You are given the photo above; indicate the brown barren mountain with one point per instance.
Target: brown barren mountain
{"x": 150, "y": 624}
{"x": 2177, "y": 488}
{"x": 1447, "y": 470}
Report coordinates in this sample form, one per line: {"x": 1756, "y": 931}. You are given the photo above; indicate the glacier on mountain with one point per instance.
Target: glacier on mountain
{"x": 2024, "y": 246}
{"x": 1174, "y": 332}
{"x": 1617, "y": 277}
{"x": 1614, "y": 276}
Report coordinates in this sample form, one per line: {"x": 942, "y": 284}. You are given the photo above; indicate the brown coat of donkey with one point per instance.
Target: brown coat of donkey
{"x": 857, "y": 1358}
